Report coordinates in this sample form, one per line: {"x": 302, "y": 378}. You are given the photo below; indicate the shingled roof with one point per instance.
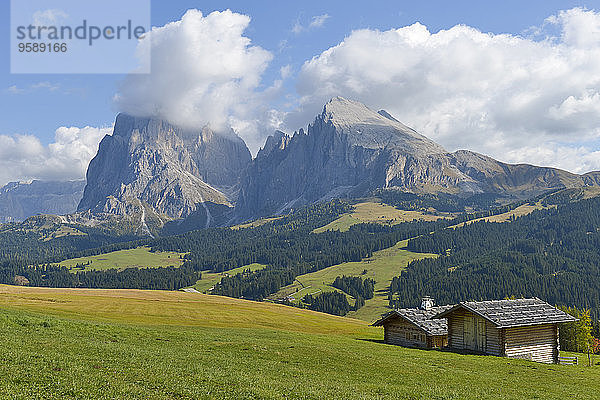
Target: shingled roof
{"x": 420, "y": 318}
{"x": 512, "y": 313}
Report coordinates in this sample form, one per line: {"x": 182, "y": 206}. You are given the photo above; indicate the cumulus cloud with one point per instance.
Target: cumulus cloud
{"x": 24, "y": 157}
{"x": 204, "y": 71}
{"x": 517, "y": 98}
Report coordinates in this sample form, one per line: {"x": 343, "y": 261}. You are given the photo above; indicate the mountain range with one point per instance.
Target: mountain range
{"x": 150, "y": 170}
{"x": 20, "y": 200}
{"x": 350, "y": 150}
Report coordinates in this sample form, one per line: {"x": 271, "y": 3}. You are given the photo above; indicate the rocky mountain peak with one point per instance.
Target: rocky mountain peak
{"x": 350, "y": 150}
{"x": 278, "y": 141}
{"x": 169, "y": 170}
{"x": 157, "y": 171}
{"x": 348, "y": 114}
{"x": 373, "y": 130}
{"x": 387, "y": 115}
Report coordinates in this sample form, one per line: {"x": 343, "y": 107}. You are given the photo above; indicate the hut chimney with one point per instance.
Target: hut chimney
{"x": 426, "y": 303}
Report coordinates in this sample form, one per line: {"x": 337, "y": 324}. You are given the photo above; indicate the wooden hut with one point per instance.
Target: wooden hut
{"x": 522, "y": 328}
{"x": 414, "y": 327}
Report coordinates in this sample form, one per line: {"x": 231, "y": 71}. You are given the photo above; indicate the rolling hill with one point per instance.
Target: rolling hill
{"x": 382, "y": 266}
{"x": 139, "y": 257}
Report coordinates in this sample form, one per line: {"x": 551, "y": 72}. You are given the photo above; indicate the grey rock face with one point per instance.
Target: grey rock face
{"x": 151, "y": 171}
{"x": 20, "y": 200}
{"x": 170, "y": 169}
{"x": 349, "y": 150}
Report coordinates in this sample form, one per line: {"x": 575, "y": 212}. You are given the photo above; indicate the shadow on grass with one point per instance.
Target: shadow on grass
{"x": 441, "y": 350}
{"x": 380, "y": 341}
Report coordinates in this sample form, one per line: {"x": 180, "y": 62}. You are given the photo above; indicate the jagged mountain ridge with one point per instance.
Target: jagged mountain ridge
{"x": 162, "y": 168}
{"x": 349, "y": 150}
{"x": 20, "y": 200}
{"x": 150, "y": 170}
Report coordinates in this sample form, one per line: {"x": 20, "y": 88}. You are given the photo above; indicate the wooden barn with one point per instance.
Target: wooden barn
{"x": 522, "y": 328}
{"x": 414, "y": 327}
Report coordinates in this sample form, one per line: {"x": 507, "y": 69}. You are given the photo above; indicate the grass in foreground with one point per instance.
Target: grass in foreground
{"x": 140, "y": 257}
{"x": 174, "y": 308}
{"x": 382, "y": 266}
{"x": 86, "y": 351}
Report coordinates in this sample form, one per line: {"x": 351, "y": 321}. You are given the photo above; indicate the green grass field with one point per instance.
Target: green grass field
{"x": 210, "y": 279}
{"x": 140, "y": 257}
{"x": 520, "y": 211}
{"x": 130, "y": 344}
{"x": 382, "y": 266}
{"x": 370, "y": 211}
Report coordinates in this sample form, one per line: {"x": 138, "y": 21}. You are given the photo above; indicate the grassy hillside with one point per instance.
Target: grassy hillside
{"x": 371, "y": 211}
{"x": 102, "y": 344}
{"x": 139, "y": 257}
{"x": 520, "y": 211}
{"x": 255, "y": 223}
{"x": 47, "y": 226}
{"x": 173, "y": 308}
{"x": 382, "y": 266}
{"x": 210, "y": 279}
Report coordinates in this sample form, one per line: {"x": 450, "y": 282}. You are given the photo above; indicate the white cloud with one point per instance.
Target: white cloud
{"x": 24, "y": 157}
{"x": 46, "y": 85}
{"x": 318, "y": 21}
{"x": 204, "y": 71}
{"x": 519, "y": 99}
{"x": 14, "y": 89}
{"x": 315, "y": 22}
{"x": 285, "y": 71}
{"x": 52, "y": 87}
{"x": 297, "y": 28}
{"x": 49, "y": 17}
{"x": 578, "y": 159}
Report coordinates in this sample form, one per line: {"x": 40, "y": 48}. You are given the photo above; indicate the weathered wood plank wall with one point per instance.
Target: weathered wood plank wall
{"x": 536, "y": 343}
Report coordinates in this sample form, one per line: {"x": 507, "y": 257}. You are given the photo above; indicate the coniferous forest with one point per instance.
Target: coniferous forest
{"x": 553, "y": 254}
{"x": 286, "y": 245}
{"x": 329, "y": 302}
{"x": 355, "y": 286}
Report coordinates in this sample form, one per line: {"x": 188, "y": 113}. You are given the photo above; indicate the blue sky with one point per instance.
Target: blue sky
{"x": 87, "y": 99}
{"x": 38, "y": 104}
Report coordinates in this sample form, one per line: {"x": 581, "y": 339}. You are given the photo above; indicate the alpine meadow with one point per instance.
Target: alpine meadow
{"x": 300, "y": 201}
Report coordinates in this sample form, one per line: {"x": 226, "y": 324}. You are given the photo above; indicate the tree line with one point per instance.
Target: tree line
{"x": 164, "y": 278}
{"x": 355, "y": 286}
{"x": 334, "y": 303}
